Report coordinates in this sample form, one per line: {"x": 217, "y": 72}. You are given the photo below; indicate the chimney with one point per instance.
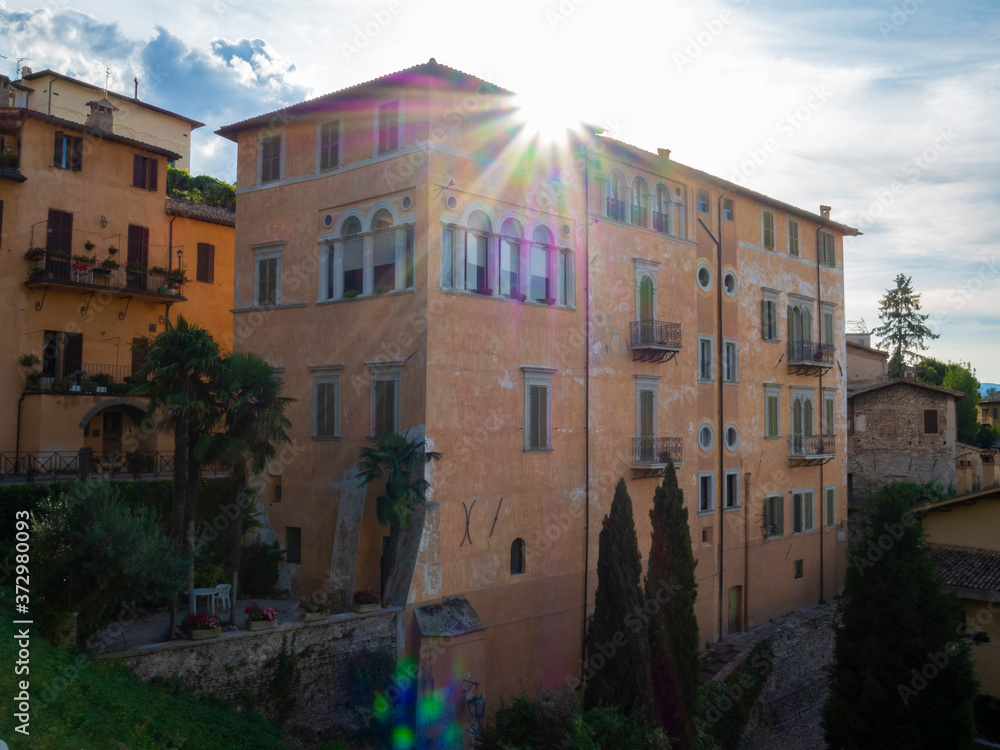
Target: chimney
{"x": 102, "y": 115}
{"x": 25, "y": 71}
{"x": 824, "y": 211}
{"x": 664, "y": 152}
{"x": 6, "y": 93}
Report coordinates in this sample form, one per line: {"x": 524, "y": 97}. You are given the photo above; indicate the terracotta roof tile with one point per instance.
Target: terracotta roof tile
{"x": 201, "y": 212}
{"x": 967, "y": 567}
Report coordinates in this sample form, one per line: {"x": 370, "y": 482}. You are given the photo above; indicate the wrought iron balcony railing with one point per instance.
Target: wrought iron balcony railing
{"x": 810, "y": 352}
{"x": 655, "y": 333}
{"x": 52, "y": 466}
{"x": 656, "y": 450}
{"x": 811, "y": 445}
{"x": 661, "y": 222}
{"x": 616, "y": 209}
{"x": 639, "y": 215}
{"x": 64, "y": 272}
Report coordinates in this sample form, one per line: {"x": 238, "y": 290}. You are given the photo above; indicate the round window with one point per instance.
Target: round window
{"x": 706, "y": 437}
{"x": 407, "y": 202}
{"x": 452, "y": 202}
{"x": 729, "y": 283}
{"x": 704, "y": 276}
{"x": 732, "y": 437}
{"x": 328, "y": 220}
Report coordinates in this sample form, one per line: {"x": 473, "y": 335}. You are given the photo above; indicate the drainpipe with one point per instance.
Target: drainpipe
{"x": 586, "y": 402}
{"x": 746, "y": 551}
{"x": 170, "y": 243}
{"x": 17, "y": 441}
{"x": 822, "y": 414}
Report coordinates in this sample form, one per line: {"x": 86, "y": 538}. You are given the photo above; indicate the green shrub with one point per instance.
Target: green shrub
{"x": 259, "y": 567}
{"x": 986, "y": 712}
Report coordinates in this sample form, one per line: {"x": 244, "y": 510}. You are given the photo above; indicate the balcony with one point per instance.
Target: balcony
{"x": 616, "y": 209}
{"x": 46, "y": 271}
{"x": 64, "y": 466}
{"x": 650, "y": 454}
{"x": 654, "y": 340}
{"x": 809, "y": 358}
{"x": 77, "y": 377}
{"x": 661, "y": 222}
{"x": 810, "y": 450}
{"x": 639, "y": 216}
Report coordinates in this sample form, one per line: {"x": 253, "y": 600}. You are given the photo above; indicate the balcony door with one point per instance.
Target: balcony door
{"x": 800, "y": 331}
{"x": 647, "y": 312}
{"x": 647, "y": 426}
{"x": 802, "y": 423}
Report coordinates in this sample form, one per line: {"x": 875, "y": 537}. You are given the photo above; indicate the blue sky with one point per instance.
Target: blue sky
{"x": 886, "y": 110}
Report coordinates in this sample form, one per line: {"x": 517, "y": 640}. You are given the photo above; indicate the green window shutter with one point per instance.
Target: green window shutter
{"x": 646, "y": 406}
{"x": 831, "y": 506}
{"x": 533, "y": 394}
{"x": 326, "y": 409}
{"x": 780, "y": 515}
{"x": 538, "y": 432}
{"x": 807, "y": 499}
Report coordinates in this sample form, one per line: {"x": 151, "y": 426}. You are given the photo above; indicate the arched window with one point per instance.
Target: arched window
{"x": 384, "y": 258}
{"x": 510, "y": 258}
{"x": 539, "y": 287}
{"x": 517, "y": 565}
{"x": 354, "y": 257}
{"x": 640, "y": 202}
{"x": 477, "y": 252}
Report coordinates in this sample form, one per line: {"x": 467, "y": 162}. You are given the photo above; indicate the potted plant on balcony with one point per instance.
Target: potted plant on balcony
{"x": 34, "y": 253}
{"x": 313, "y": 611}
{"x": 112, "y": 249}
{"x": 89, "y": 246}
{"x": 200, "y": 626}
{"x": 28, "y": 361}
{"x": 135, "y": 267}
{"x": 351, "y": 294}
{"x": 366, "y": 600}
{"x": 101, "y": 381}
{"x": 110, "y": 263}
{"x": 176, "y": 277}
{"x": 89, "y": 387}
{"x": 85, "y": 260}
{"x": 261, "y": 618}
{"x": 63, "y": 385}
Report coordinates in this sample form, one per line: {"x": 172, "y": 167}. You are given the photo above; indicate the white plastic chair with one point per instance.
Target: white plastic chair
{"x": 222, "y": 595}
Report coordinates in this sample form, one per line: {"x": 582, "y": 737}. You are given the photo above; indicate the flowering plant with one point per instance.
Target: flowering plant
{"x": 308, "y": 605}
{"x": 366, "y": 596}
{"x": 257, "y": 613}
{"x": 199, "y": 621}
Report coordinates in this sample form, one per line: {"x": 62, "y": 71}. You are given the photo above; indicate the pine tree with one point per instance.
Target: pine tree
{"x": 673, "y": 627}
{"x": 617, "y": 645}
{"x": 903, "y": 329}
{"x": 902, "y": 673}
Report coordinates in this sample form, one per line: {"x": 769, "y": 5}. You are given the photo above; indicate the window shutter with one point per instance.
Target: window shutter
{"x": 646, "y": 414}
{"x": 779, "y": 521}
{"x": 137, "y": 175}
{"x": 831, "y": 497}
{"x": 533, "y": 416}
{"x": 807, "y": 500}
{"x": 263, "y": 267}
{"x": 763, "y": 319}
{"x": 153, "y": 178}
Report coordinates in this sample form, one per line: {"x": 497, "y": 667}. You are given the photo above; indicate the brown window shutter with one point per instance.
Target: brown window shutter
{"x": 154, "y": 174}
{"x": 137, "y": 175}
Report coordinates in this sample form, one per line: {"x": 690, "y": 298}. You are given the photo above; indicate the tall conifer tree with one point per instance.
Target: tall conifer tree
{"x": 673, "y": 627}
{"x": 617, "y": 645}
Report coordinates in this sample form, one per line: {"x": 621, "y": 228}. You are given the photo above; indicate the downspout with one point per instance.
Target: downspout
{"x": 822, "y": 414}
{"x": 17, "y": 440}
{"x": 170, "y": 243}
{"x": 746, "y": 552}
{"x": 586, "y": 403}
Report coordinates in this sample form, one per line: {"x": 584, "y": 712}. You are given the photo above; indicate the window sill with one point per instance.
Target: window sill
{"x": 730, "y": 382}
{"x": 503, "y": 298}
{"x": 282, "y": 306}
{"x": 772, "y": 437}
{"x": 703, "y": 380}
{"x": 538, "y": 450}
{"x": 393, "y": 293}
{"x": 708, "y": 512}
{"x": 735, "y": 507}
{"x": 770, "y": 341}
{"x": 326, "y": 437}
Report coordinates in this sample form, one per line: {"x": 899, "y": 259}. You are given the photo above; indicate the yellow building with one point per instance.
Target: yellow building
{"x": 989, "y": 410}
{"x": 963, "y": 535}
{"x": 550, "y": 318}
{"x": 97, "y": 259}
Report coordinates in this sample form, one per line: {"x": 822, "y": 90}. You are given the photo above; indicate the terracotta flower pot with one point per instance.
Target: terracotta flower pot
{"x": 201, "y": 635}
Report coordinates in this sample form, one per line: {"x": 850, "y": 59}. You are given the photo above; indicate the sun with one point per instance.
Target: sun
{"x": 544, "y": 116}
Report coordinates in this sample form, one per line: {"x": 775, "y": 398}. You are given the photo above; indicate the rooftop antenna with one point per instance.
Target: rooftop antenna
{"x": 17, "y": 69}
{"x": 107, "y": 76}
{"x": 136, "y": 88}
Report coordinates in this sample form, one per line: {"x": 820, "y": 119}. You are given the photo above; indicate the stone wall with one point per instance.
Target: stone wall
{"x": 243, "y": 667}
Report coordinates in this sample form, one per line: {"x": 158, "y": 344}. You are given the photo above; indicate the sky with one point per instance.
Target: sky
{"x": 886, "y": 110}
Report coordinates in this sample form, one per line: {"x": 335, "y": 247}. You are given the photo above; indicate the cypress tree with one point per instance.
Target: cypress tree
{"x": 617, "y": 647}
{"x": 673, "y": 627}
{"x": 902, "y": 673}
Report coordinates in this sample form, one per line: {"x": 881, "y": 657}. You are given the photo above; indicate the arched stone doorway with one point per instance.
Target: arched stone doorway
{"x": 115, "y": 426}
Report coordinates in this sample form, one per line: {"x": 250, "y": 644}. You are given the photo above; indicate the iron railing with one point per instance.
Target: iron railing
{"x": 661, "y": 222}
{"x": 639, "y": 215}
{"x": 656, "y": 450}
{"x": 53, "y": 466}
{"x": 88, "y": 276}
{"x": 616, "y": 209}
{"x": 106, "y": 374}
{"x": 655, "y": 333}
{"x": 811, "y": 445}
{"x": 811, "y": 352}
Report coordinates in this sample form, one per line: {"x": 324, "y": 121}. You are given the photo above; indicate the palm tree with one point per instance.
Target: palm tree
{"x": 178, "y": 363}
{"x": 253, "y": 420}
{"x": 399, "y": 458}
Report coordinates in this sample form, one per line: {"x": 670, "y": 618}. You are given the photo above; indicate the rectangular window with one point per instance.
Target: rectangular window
{"x": 930, "y": 421}
{"x": 830, "y": 507}
{"x": 793, "y": 238}
{"x": 802, "y": 511}
{"x": 326, "y": 400}
{"x": 385, "y": 410}
{"x": 798, "y": 568}
{"x": 826, "y": 253}
{"x": 706, "y": 491}
{"x": 727, "y": 209}
{"x": 329, "y": 145}
{"x": 769, "y": 317}
{"x": 409, "y": 258}
{"x": 706, "y": 364}
{"x": 563, "y": 279}
{"x": 68, "y": 152}
{"x": 206, "y": 263}
{"x": 270, "y": 159}
{"x": 476, "y": 253}
{"x": 268, "y": 273}
{"x": 829, "y": 416}
{"x": 703, "y": 201}
{"x": 731, "y": 364}
{"x": 537, "y": 408}
{"x": 1, "y": 223}
{"x": 510, "y": 260}
{"x": 447, "y": 248}
{"x": 828, "y": 318}
{"x": 774, "y": 516}
{"x": 732, "y": 489}
{"x": 388, "y": 127}
{"x": 293, "y": 545}
{"x": 145, "y": 172}
{"x": 59, "y": 232}
{"x": 538, "y": 283}
{"x": 767, "y": 230}
{"x": 772, "y": 427}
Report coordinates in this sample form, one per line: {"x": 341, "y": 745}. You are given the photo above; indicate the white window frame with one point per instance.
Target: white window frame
{"x": 702, "y": 510}
{"x": 799, "y": 507}
{"x": 261, "y": 137}
{"x": 390, "y": 371}
{"x": 728, "y": 209}
{"x": 267, "y": 252}
{"x": 735, "y": 504}
{"x": 826, "y": 249}
{"x": 829, "y": 506}
{"x": 725, "y": 437}
{"x": 767, "y": 217}
{"x": 708, "y": 204}
{"x": 707, "y": 286}
{"x": 731, "y": 356}
{"x": 702, "y": 369}
{"x": 326, "y": 375}
{"x": 705, "y": 429}
{"x": 775, "y": 502}
{"x": 319, "y": 145}
{"x": 377, "y": 126}
{"x": 794, "y": 239}
{"x": 772, "y": 394}
{"x": 770, "y": 297}
{"x": 537, "y": 376}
